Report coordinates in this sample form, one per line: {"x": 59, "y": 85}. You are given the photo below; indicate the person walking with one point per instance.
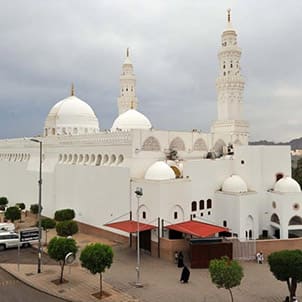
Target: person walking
{"x": 180, "y": 260}
{"x": 185, "y": 275}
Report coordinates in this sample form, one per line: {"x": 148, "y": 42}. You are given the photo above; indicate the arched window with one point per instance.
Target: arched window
{"x": 275, "y": 219}
{"x": 92, "y": 160}
{"x": 120, "y": 159}
{"x": 201, "y": 204}
{"x": 75, "y": 159}
{"x": 175, "y": 215}
{"x": 200, "y": 145}
{"x": 194, "y": 206}
{"x": 105, "y": 159}
{"x": 177, "y": 144}
{"x": 151, "y": 144}
{"x": 296, "y": 220}
{"x": 225, "y": 224}
{"x": 209, "y": 203}
{"x": 218, "y": 147}
{"x": 98, "y": 160}
{"x": 112, "y": 159}
{"x": 144, "y": 215}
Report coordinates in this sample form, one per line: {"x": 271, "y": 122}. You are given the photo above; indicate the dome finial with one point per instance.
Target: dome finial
{"x": 72, "y": 89}
{"x": 229, "y": 15}
{"x": 127, "y": 52}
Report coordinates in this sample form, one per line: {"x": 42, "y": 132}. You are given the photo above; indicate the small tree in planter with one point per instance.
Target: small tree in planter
{"x": 96, "y": 257}
{"x": 21, "y": 206}
{"x": 47, "y": 224}
{"x": 67, "y": 228}
{"x": 226, "y": 273}
{"x": 286, "y": 266}
{"x": 3, "y": 201}
{"x": 64, "y": 214}
{"x": 12, "y": 213}
{"x": 34, "y": 209}
{"x": 58, "y": 248}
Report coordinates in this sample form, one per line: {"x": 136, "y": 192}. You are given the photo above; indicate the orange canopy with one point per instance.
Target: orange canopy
{"x": 197, "y": 228}
{"x": 130, "y": 226}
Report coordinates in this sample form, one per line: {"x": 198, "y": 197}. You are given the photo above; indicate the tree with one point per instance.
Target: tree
{"x": 12, "y": 213}
{"x": 46, "y": 224}
{"x": 58, "y": 248}
{"x": 96, "y": 257}
{"x": 20, "y": 205}
{"x": 64, "y": 214}
{"x": 286, "y": 266}
{"x": 226, "y": 273}
{"x": 34, "y": 208}
{"x": 297, "y": 172}
{"x": 67, "y": 228}
{"x": 3, "y": 201}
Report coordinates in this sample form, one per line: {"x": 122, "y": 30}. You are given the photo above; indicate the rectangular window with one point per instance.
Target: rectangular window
{"x": 175, "y": 215}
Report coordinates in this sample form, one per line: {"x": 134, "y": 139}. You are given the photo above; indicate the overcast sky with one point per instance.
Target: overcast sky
{"x": 46, "y": 45}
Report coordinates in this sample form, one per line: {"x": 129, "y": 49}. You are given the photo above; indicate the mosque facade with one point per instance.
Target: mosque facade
{"x": 212, "y": 177}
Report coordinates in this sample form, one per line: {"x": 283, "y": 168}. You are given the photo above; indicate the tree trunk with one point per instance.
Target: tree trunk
{"x": 62, "y": 269}
{"x": 101, "y": 286}
{"x": 46, "y": 237}
{"x": 293, "y": 288}
{"x": 232, "y": 299}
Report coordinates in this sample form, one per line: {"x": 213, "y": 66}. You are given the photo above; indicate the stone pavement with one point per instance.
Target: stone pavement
{"x": 160, "y": 279}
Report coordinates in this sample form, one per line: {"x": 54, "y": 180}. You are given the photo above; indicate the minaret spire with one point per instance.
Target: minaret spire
{"x": 229, "y": 15}
{"x": 72, "y": 90}
{"x": 127, "y": 52}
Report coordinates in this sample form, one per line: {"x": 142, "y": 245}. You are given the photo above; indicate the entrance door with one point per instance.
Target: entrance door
{"x": 145, "y": 240}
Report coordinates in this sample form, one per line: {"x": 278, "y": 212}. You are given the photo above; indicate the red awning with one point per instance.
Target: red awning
{"x": 196, "y": 228}
{"x": 130, "y": 226}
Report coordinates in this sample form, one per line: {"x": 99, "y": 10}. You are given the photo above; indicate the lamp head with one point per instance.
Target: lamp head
{"x": 138, "y": 191}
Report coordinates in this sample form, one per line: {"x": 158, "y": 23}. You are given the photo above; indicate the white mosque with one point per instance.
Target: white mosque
{"x": 215, "y": 177}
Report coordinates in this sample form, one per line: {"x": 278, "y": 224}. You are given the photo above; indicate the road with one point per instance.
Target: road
{"x": 12, "y": 290}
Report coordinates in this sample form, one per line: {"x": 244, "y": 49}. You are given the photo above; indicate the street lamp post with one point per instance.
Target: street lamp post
{"x": 139, "y": 194}
{"x": 39, "y": 204}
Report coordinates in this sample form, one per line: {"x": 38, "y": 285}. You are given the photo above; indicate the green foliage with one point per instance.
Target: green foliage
{"x": 12, "y": 213}
{"x": 47, "y": 223}
{"x": 226, "y": 273}
{"x": 34, "y": 208}
{"x": 286, "y": 266}
{"x": 20, "y": 205}
{"x": 96, "y": 257}
{"x": 3, "y": 201}
{"x": 58, "y": 248}
{"x": 297, "y": 172}
{"x": 64, "y": 214}
{"x": 67, "y": 228}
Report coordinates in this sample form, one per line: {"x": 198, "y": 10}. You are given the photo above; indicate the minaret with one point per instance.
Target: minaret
{"x": 230, "y": 86}
{"x": 127, "y": 98}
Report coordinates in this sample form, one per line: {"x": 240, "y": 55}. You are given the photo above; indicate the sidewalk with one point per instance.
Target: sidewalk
{"x": 79, "y": 288}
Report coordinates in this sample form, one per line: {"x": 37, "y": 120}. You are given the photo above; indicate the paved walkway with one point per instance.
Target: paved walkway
{"x": 160, "y": 279}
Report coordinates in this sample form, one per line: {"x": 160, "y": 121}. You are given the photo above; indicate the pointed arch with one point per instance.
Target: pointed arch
{"x": 177, "y": 213}
{"x": 151, "y": 144}
{"x": 200, "y": 145}
{"x": 275, "y": 218}
{"x": 218, "y": 146}
{"x": 177, "y": 144}
{"x": 295, "y": 220}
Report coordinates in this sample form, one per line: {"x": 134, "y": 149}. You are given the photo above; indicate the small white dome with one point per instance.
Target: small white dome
{"x": 71, "y": 116}
{"x": 131, "y": 119}
{"x": 159, "y": 171}
{"x": 234, "y": 184}
{"x": 287, "y": 185}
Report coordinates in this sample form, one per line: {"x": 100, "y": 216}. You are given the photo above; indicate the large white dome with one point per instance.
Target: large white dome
{"x": 234, "y": 184}
{"x": 71, "y": 116}
{"x": 131, "y": 119}
{"x": 287, "y": 185}
{"x": 159, "y": 171}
